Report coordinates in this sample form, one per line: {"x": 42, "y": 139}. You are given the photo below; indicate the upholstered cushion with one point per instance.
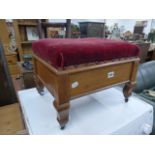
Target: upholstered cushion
{"x": 66, "y": 52}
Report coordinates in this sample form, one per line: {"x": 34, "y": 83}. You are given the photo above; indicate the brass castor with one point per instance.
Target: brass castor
{"x": 127, "y": 90}
{"x": 126, "y": 99}
{"x": 41, "y": 92}
{"x": 62, "y": 127}
{"x": 39, "y": 86}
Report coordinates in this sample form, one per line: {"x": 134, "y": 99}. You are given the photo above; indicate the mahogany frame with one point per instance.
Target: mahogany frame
{"x": 74, "y": 82}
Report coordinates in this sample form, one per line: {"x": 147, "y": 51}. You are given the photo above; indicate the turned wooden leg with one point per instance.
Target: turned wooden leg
{"x": 39, "y": 85}
{"x": 127, "y": 90}
{"x": 62, "y": 113}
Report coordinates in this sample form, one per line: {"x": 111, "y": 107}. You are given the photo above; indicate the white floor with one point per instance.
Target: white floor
{"x": 104, "y": 112}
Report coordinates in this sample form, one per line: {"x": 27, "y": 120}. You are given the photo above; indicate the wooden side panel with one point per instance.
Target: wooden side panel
{"x": 46, "y": 76}
{"x": 57, "y": 85}
{"x": 134, "y": 72}
{"x": 91, "y": 80}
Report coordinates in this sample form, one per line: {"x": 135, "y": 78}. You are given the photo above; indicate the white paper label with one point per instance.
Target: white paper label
{"x": 111, "y": 74}
{"x": 75, "y": 84}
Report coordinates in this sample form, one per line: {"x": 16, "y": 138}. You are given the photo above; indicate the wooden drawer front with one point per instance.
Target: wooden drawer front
{"x": 99, "y": 78}
{"x": 11, "y": 59}
{"x": 14, "y": 69}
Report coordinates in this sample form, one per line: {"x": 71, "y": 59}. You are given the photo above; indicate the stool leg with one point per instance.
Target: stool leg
{"x": 127, "y": 90}
{"x": 62, "y": 113}
{"x": 39, "y": 85}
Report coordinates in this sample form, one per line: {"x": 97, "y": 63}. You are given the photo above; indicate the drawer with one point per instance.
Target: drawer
{"x": 11, "y": 59}
{"x": 14, "y": 69}
{"x": 91, "y": 80}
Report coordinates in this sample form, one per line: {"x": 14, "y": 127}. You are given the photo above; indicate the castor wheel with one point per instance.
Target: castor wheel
{"x": 42, "y": 93}
{"x": 126, "y": 99}
{"x": 62, "y": 127}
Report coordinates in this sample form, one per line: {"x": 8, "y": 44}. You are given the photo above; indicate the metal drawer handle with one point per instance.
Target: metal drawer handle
{"x": 75, "y": 84}
{"x": 110, "y": 74}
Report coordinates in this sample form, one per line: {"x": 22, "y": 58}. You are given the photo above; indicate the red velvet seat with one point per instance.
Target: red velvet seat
{"x": 66, "y": 52}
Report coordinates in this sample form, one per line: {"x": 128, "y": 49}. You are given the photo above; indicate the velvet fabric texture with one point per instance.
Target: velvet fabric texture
{"x": 65, "y": 52}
